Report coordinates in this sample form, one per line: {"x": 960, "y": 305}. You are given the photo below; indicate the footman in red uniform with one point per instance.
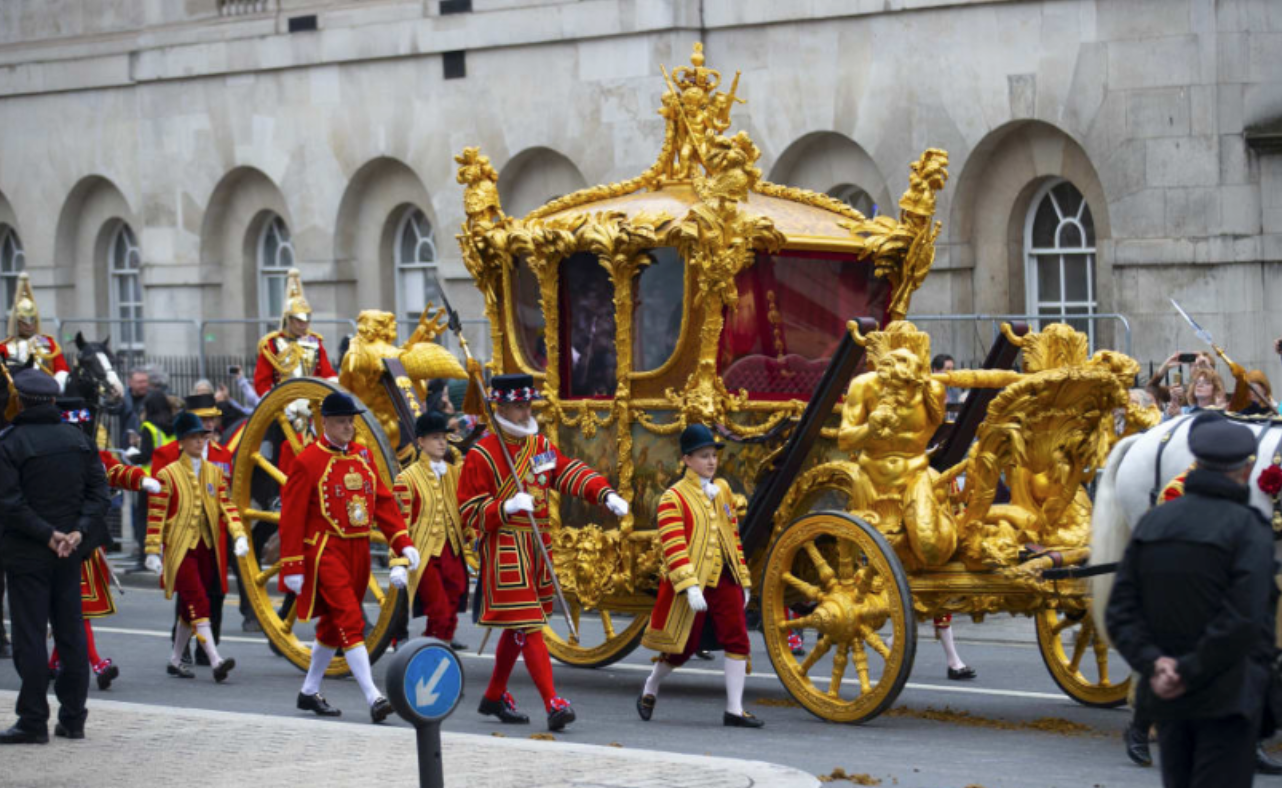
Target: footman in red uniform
{"x": 516, "y": 586}
{"x": 706, "y": 580}
{"x": 188, "y": 522}
{"x": 428, "y": 494}
{"x": 329, "y": 504}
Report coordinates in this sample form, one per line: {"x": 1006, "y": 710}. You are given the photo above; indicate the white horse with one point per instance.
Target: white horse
{"x": 1137, "y": 470}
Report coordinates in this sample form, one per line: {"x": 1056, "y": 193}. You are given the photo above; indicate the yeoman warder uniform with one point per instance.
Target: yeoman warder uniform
{"x": 330, "y": 503}
{"x": 516, "y": 586}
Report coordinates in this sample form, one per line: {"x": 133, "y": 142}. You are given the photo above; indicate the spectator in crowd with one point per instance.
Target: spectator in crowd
{"x": 129, "y": 408}
{"x": 157, "y": 430}
{"x": 1205, "y": 391}
{"x": 945, "y": 363}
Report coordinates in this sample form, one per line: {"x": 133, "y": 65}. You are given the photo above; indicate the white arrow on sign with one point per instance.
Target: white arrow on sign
{"x": 425, "y": 693}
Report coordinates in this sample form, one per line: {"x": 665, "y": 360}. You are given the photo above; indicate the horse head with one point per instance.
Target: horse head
{"x": 95, "y": 372}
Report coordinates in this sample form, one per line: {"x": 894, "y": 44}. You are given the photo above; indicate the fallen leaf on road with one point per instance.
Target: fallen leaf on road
{"x": 780, "y": 702}
{"x": 498, "y": 735}
{"x": 1044, "y": 724}
{"x": 614, "y": 744}
{"x": 542, "y": 737}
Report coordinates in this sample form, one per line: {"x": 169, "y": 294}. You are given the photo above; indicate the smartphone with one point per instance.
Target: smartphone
{"x": 1188, "y": 358}
{"x": 233, "y": 370}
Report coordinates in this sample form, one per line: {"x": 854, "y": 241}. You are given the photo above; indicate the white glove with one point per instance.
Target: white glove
{"x": 131, "y": 453}
{"x": 694, "y": 595}
{"x": 399, "y": 577}
{"x": 298, "y": 409}
{"x": 615, "y": 503}
{"x": 294, "y": 583}
{"x": 241, "y": 548}
{"x": 747, "y": 597}
{"x": 151, "y": 485}
{"x": 410, "y": 554}
{"x": 521, "y": 502}
{"x": 153, "y": 564}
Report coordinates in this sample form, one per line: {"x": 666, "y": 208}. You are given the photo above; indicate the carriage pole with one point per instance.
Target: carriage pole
{"x": 456, "y": 325}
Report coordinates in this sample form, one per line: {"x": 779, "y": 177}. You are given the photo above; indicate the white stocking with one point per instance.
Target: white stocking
{"x": 736, "y": 675}
{"x": 358, "y": 661}
{"x": 950, "y": 648}
{"x": 181, "y": 636}
{"x": 205, "y": 636}
{"x": 662, "y": 669}
{"x": 321, "y": 656}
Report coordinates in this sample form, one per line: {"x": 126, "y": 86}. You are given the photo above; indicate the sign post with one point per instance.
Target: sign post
{"x": 425, "y": 684}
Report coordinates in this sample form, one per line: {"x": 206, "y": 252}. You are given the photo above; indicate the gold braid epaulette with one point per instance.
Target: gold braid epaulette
{"x": 285, "y": 369}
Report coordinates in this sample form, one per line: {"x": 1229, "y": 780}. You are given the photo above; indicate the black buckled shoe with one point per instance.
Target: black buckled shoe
{"x": 562, "y": 714}
{"x": 703, "y": 655}
{"x": 224, "y": 667}
{"x": 645, "y": 705}
{"x": 180, "y": 671}
{"x": 68, "y": 733}
{"x": 745, "y": 720}
{"x": 458, "y": 645}
{"x": 1264, "y": 764}
{"x": 379, "y": 710}
{"x": 1136, "y": 737}
{"x": 16, "y": 735}
{"x": 504, "y": 708}
{"x": 318, "y": 705}
{"x": 966, "y": 673}
{"x": 108, "y": 674}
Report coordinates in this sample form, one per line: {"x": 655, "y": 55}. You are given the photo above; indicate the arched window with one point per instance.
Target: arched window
{"x": 275, "y": 258}
{"x": 1059, "y": 257}
{"x": 126, "y": 287}
{"x": 416, "y": 271}
{"x": 856, "y": 198}
{"x": 12, "y": 263}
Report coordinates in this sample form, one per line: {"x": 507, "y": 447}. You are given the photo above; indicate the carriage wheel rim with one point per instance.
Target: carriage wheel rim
{"x": 1069, "y": 669}
{"x": 854, "y": 601}
{"x": 278, "y": 624}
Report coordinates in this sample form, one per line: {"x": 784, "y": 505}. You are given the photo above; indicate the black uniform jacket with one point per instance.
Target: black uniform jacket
{"x": 50, "y": 479}
{"x": 1196, "y": 584}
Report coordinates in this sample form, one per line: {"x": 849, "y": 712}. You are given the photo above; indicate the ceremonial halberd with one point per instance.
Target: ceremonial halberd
{"x": 699, "y": 292}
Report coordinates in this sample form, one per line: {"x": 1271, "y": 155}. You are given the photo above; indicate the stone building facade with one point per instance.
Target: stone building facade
{"x": 172, "y": 158}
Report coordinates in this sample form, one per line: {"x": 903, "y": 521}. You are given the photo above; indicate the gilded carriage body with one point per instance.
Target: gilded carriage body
{"x": 699, "y": 292}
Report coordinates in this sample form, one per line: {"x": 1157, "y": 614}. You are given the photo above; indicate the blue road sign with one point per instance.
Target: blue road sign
{"x": 427, "y": 680}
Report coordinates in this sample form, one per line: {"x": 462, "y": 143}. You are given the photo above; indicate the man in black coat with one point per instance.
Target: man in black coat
{"x": 1192, "y": 612}
{"x": 53, "y": 505}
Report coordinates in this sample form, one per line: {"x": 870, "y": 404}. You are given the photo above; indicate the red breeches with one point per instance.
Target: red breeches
{"x": 198, "y": 570}
{"x": 444, "y": 580}
{"x": 341, "y": 580}
{"x": 725, "y": 612}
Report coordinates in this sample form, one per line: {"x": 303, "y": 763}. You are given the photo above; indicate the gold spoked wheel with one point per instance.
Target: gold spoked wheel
{"x": 604, "y": 637}
{"x": 855, "y": 606}
{"x": 1073, "y": 651}
{"x": 275, "y": 429}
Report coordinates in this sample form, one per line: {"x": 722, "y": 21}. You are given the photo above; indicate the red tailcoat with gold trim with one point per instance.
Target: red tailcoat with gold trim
{"x": 277, "y": 351}
{"x": 95, "y": 575}
{"x": 517, "y": 590}
{"x": 332, "y": 494}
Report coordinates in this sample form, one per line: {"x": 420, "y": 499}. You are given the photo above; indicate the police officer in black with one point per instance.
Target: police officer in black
{"x": 53, "y": 505}
{"x": 1192, "y": 612}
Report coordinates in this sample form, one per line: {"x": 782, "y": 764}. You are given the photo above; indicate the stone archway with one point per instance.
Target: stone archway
{"x": 93, "y": 210}
{"x": 832, "y": 163}
{"x": 373, "y": 206}
{"x": 533, "y": 177}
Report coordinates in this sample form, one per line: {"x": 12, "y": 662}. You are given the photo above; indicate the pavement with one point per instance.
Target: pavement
{"x": 138, "y": 744}
{"x": 1009, "y": 728}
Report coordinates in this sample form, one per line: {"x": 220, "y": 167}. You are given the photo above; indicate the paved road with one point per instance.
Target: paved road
{"x": 989, "y": 740}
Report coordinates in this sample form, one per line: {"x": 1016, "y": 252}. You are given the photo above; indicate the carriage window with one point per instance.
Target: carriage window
{"x": 657, "y": 309}
{"x": 791, "y": 315}
{"x": 529, "y": 317}
{"x": 588, "y": 357}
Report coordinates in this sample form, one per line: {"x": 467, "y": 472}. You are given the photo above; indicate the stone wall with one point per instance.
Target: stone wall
{"x": 193, "y": 125}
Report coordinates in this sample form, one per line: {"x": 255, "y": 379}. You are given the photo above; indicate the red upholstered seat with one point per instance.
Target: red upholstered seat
{"x": 793, "y": 375}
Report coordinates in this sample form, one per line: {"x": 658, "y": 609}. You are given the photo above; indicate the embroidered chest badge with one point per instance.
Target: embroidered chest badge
{"x": 353, "y": 481}
{"x": 357, "y": 512}
{"x": 210, "y": 487}
{"x": 544, "y": 462}
{"x": 729, "y": 516}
